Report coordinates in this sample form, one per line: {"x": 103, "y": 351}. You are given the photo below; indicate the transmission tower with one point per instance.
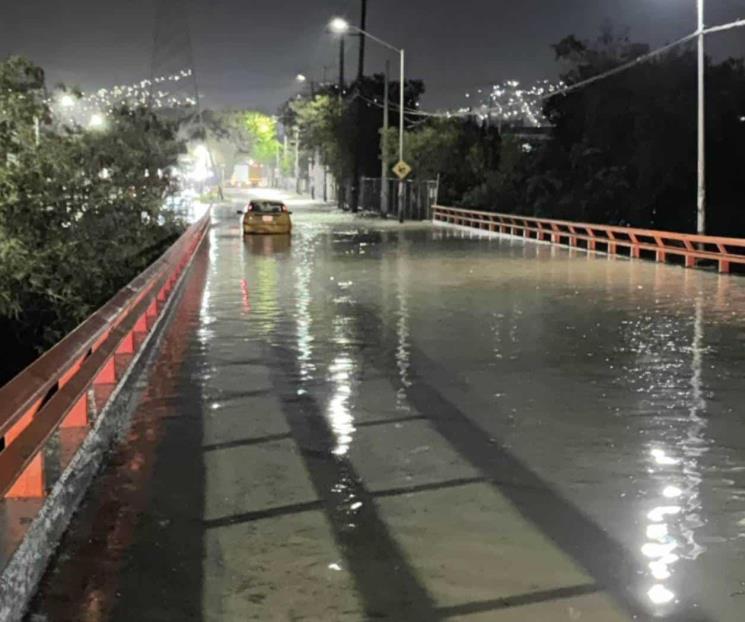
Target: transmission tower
{"x": 173, "y": 76}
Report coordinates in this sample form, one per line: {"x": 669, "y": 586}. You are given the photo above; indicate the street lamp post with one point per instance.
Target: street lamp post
{"x": 297, "y": 160}
{"x": 384, "y": 146}
{"x": 342, "y": 26}
{"x": 701, "y": 194}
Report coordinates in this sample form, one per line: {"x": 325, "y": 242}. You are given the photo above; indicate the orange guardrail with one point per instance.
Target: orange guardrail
{"x": 663, "y": 244}
{"x": 65, "y": 386}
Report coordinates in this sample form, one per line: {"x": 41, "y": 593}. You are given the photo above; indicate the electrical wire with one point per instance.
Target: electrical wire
{"x": 606, "y": 74}
{"x": 620, "y": 68}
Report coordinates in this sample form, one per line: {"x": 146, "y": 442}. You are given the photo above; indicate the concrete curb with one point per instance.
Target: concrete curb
{"x": 25, "y": 568}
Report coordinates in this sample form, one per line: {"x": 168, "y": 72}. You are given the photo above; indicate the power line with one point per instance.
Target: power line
{"x": 644, "y": 58}
{"x": 623, "y": 67}
{"x": 606, "y": 74}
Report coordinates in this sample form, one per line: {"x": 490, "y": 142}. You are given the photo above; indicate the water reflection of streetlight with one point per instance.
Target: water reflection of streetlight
{"x": 341, "y": 372}
{"x": 403, "y": 353}
{"x": 303, "y": 273}
{"x": 670, "y": 533}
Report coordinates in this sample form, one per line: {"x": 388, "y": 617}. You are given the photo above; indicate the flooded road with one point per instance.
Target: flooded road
{"x": 368, "y": 421}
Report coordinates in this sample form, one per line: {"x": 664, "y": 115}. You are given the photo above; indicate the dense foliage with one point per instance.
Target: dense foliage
{"x": 621, "y": 151}
{"x": 344, "y": 129}
{"x": 81, "y": 211}
{"x": 236, "y": 135}
{"x": 624, "y": 149}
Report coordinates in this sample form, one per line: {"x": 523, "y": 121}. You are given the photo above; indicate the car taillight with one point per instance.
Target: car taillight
{"x": 284, "y": 208}
{"x": 249, "y": 208}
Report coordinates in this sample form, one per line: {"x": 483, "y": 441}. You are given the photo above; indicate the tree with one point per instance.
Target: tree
{"x": 234, "y": 135}
{"x": 622, "y": 150}
{"x": 262, "y": 133}
{"x": 331, "y": 126}
{"x": 81, "y": 212}
{"x": 324, "y": 126}
{"x": 460, "y": 152}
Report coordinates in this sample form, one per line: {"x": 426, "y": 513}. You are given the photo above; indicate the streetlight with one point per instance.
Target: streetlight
{"x": 342, "y": 26}
{"x": 339, "y": 25}
{"x": 701, "y": 194}
{"x": 301, "y": 77}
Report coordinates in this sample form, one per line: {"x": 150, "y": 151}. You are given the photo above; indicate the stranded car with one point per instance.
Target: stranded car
{"x": 266, "y": 217}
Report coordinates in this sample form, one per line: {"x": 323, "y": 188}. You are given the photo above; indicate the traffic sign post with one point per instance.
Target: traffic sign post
{"x": 402, "y": 170}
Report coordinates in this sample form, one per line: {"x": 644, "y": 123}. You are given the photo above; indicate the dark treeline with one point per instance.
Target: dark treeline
{"x": 620, "y": 151}
{"x": 81, "y": 211}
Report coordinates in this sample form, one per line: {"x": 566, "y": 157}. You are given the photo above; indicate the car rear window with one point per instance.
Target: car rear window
{"x": 267, "y": 207}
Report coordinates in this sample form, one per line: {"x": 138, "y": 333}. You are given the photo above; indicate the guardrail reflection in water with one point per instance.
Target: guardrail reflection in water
{"x": 662, "y": 244}
{"x": 68, "y": 385}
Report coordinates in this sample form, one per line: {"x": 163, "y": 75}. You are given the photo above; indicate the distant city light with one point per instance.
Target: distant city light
{"x": 104, "y": 101}
{"x": 97, "y": 121}
{"x": 511, "y": 103}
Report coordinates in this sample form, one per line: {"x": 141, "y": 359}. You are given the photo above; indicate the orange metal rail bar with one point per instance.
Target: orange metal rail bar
{"x": 691, "y": 247}
{"x": 54, "y": 391}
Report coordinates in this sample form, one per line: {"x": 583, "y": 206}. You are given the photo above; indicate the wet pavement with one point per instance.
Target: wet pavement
{"x": 368, "y": 421}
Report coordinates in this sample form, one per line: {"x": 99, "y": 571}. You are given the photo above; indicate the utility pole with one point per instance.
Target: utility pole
{"x": 363, "y": 27}
{"x": 357, "y": 164}
{"x": 340, "y": 198}
{"x": 401, "y": 122}
{"x": 297, "y": 160}
{"x": 701, "y": 194}
{"x": 384, "y": 146}
{"x": 342, "y": 53}
{"x": 311, "y": 178}
{"x": 284, "y": 158}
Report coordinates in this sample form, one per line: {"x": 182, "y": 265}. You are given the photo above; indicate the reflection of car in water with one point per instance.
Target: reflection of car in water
{"x": 268, "y": 245}
{"x": 266, "y": 217}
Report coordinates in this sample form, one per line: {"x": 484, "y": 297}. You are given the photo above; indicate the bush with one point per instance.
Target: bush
{"x": 81, "y": 212}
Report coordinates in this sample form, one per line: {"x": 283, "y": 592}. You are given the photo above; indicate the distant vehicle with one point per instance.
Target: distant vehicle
{"x": 249, "y": 175}
{"x": 271, "y": 217}
{"x": 255, "y": 175}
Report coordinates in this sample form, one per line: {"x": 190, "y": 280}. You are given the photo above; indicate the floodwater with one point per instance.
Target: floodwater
{"x": 368, "y": 421}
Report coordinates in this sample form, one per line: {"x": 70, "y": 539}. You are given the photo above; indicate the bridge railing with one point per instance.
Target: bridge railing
{"x": 638, "y": 242}
{"x": 66, "y": 386}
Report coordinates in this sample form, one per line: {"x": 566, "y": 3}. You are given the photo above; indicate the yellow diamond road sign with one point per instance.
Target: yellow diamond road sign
{"x": 402, "y": 170}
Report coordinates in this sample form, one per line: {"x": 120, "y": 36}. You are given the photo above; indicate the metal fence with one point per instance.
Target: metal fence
{"x": 419, "y": 196}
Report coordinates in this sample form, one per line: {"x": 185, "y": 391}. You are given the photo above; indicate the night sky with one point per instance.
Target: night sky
{"x": 247, "y": 52}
